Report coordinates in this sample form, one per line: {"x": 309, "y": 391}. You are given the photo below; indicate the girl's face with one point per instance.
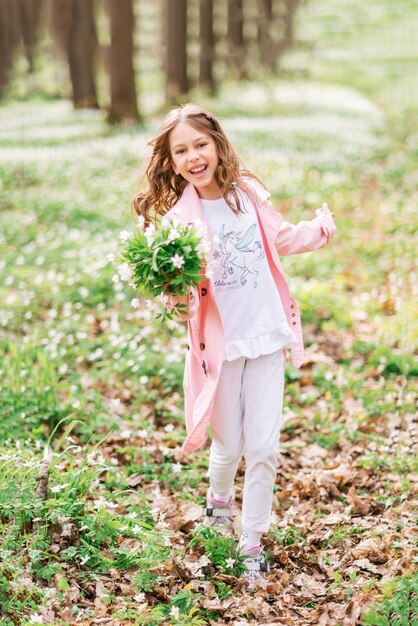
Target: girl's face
{"x": 195, "y": 157}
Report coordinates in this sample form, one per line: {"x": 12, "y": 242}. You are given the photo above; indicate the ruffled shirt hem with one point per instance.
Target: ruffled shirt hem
{"x": 254, "y": 347}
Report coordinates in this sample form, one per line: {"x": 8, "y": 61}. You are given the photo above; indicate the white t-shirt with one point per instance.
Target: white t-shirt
{"x": 249, "y": 303}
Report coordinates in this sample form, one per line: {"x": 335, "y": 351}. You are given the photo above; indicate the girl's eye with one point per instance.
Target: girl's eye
{"x": 179, "y": 151}
{"x": 202, "y": 145}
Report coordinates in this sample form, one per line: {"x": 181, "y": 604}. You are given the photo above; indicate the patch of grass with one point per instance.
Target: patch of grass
{"x": 398, "y": 606}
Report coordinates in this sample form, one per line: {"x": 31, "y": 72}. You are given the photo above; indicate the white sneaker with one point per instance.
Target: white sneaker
{"x": 256, "y": 565}
{"x": 219, "y": 516}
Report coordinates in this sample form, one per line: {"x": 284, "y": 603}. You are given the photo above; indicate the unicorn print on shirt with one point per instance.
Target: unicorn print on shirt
{"x": 241, "y": 252}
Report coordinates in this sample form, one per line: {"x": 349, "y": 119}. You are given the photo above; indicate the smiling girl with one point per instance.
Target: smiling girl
{"x": 241, "y": 321}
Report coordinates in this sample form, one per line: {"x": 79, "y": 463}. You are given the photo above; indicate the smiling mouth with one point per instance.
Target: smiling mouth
{"x": 199, "y": 171}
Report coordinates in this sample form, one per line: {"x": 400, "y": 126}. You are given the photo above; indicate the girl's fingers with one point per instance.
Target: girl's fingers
{"x": 326, "y": 208}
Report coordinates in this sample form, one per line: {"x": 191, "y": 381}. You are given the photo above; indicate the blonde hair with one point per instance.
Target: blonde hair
{"x": 165, "y": 187}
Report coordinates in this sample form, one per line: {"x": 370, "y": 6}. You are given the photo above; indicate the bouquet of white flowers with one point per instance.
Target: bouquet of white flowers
{"x": 163, "y": 260}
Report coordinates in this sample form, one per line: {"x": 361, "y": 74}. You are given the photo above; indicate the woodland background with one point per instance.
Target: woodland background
{"x": 99, "y": 507}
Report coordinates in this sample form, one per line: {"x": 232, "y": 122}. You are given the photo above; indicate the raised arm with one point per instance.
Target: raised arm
{"x": 307, "y": 235}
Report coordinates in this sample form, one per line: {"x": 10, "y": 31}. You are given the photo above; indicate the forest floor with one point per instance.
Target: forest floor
{"x": 98, "y": 503}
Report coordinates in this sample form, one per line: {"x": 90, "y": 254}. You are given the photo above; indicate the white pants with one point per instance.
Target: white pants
{"x": 246, "y": 420}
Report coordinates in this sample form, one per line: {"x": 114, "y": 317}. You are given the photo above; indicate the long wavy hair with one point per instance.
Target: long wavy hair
{"x": 165, "y": 187}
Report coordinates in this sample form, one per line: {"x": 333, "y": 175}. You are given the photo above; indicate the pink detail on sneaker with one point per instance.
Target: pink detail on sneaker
{"x": 219, "y": 501}
{"x": 249, "y": 548}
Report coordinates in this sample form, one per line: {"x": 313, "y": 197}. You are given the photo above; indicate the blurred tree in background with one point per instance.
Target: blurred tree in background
{"x": 188, "y": 42}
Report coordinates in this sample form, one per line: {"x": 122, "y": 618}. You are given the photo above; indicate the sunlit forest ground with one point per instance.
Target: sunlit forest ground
{"x": 107, "y": 539}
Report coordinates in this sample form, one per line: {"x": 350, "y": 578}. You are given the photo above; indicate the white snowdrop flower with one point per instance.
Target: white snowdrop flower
{"x": 58, "y": 488}
{"x": 177, "y": 260}
{"x": 172, "y": 235}
{"x": 124, "y": 235}
{"x": 166, "y": 451}
{"x": 140, "y": 221}
{"x": 203, "y": 247}
{"x": 84, "y": 559}
{"x": 135, "y": 303}
{"x": 136, "y": 530}
{"x": 140, "y": 597}
{"x": 175, "y": 612}
{"x": 110, "y": 257}
{"x": 172, "y": 324}
{"x": 125, "y": 271}
{"x": 149, "y": 233}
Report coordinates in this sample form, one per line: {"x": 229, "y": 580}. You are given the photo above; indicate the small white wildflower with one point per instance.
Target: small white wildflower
{"x": 203, "y": 248}
{"x": 136, "y": 530}
{"x": 172, "y": 235}
{"x": 36, "y": 618}
{"x": 110, "y": 257}
{"x": 140, "y": 597}
{"x": 177, "y": 260}
{"x": 132, "y": 515}
{"x": 175, "y": 612}
{"x": 124, "y": 235}
{"x": 140, "y": 221}
{"x": 169, "y": 428}
{"x": 84, "y": 559}
{"x": 150, "y": 233}
{"x": 59, "y": 487}
{"x": 230, "y": 563}
{"x": 125, "y": 271}
{"x": 135, "y": 303}
{"x": 115, "y": 278}
{"x": 176, "y": 467}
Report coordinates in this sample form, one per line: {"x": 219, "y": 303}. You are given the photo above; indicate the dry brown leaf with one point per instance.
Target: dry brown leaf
{"x": 367, "y": 565}
{"x": 310, "y": 585}
{"x": 372, "y": 549}
{"x": 359, "y": 504}
{"x": 100, "y": 608}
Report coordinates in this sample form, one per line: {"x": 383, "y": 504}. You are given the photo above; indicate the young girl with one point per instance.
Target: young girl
{"x": 241, "y": 320}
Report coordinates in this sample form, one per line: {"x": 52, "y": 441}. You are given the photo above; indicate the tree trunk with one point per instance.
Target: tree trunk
{"x": 236, "y": 35}
{"x": 207, "y": 45}
{"x": 81, "y": 47}
{"x": 10, "y": 37}
{"x": 29, "y": 13}
{"x": 176, "y": 28}
{"x": 121, "y": 67}
{"x": 266, "y": 45}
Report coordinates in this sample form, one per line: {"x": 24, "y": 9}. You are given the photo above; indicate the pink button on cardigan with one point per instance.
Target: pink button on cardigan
{"x": 205, "y": 335}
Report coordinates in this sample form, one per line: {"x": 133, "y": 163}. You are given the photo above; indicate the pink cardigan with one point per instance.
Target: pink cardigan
{"x": 205, "y": 349}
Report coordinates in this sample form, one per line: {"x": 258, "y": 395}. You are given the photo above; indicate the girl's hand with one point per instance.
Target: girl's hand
{"x": 324, "y": 209}
{"x": 328, "y": 225}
